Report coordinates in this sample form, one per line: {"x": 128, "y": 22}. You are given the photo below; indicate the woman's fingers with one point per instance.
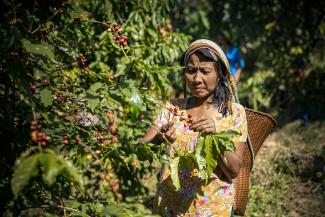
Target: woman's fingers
{"x": 166, "y": 127}
{"x": 169, "y": 132}
{"x": 198, "y": 120}
{"x": 198, "y": 123}
{"x": 207, "y": 128}
{"x": 204, "y": 125}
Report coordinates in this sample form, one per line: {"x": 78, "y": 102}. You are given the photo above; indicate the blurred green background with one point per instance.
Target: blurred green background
{"x": 62, "y": 57}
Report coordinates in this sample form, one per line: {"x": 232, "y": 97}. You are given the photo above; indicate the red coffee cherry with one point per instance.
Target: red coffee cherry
{"x": 141, "y": 117}
{"x": 33, "y": 88}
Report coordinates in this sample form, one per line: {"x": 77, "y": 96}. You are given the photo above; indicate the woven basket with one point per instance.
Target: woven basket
{"x": 259, "y": 127}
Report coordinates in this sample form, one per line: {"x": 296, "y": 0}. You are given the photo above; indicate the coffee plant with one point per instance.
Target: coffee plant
{"x": 76, "y": 79}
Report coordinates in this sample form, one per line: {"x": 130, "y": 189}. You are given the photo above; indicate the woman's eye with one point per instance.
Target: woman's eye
{"x": 205, "y": 70}
{"x": 190, "y": 70}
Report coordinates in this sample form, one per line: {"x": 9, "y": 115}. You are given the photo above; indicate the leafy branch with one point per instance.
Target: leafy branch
{"x": 205, "y": 157}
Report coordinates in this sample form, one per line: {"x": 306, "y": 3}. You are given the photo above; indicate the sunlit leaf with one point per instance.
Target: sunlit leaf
{"x": 210, "y": 157}
{"x": 174, "y": 172}
{"x": 46, "y": 97}
{"x": 43, "y": 48}
{"x": 25, "y": 169}
{"x": 51, "y": 166}
{"x": 96, "y": 86}
{"x": 72, "y": 173}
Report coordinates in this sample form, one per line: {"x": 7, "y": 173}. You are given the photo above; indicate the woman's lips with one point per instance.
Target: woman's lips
{"x": 198, "y": 89}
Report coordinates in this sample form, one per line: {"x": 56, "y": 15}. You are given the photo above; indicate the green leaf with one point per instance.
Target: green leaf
{"x": 152, "y": 33}
{"x": 133, "y": 97}
{"x": 96, "y": 86}
{"x": 51, "y": 166}
{"x": 226, "y": 145}
{"x": 174, "y": 172}
{"x": 217, "y": 145}
{"x": 199, "y": 146}
{"x": 25, "y": 169}
{"x": 200, "y": 160}
{"x": 227, "y": 134}
{"x": 210, "y": 156}
{"x": 71, "y": 172}
{"x": 270, "y": 25}
{"x": 122, "y": 66}
{"x": 43, "y": 48}
{"x": 144, "y": 153}
{"x": 46, "y": 97}
{"x": 112, "y": 210}
{"x": 93, "y": 101}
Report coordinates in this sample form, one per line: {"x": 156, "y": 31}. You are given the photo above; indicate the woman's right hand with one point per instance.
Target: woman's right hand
{"x": 168, "y": 132}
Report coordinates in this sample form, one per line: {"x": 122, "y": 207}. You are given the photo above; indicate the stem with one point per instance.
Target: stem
{"x": 123, "y": 51}
{"x": 62, "y": 204}
{"x": 72, "y": 209}
{"x": 95, "y": 21}
{"x": 159, "y": 103}
{"x": 40, "y": 147}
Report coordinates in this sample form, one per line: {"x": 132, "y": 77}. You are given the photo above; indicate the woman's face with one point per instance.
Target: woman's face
{"x": 200, "y": 76}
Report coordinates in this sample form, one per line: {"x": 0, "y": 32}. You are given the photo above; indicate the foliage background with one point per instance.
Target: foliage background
{"x": 62, "y": 66}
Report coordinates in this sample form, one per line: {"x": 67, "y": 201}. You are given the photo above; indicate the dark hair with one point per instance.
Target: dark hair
{"x": 222, "y": 93}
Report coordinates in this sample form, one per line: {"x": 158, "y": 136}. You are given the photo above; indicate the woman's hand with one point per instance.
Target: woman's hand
{"x": 203, "y": 125}
{"x": 168, "y": 132}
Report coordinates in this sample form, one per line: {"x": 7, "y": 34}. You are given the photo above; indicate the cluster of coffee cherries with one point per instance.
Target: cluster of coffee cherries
{"x": 136, "y": 164}
{"x": 110, "y": 178}
{"x": 77, "y": 21}
{"x": 110, "y": 76}
{"x": 41, "y": 83}
{"x": 96, "y": 161}
{"x": 66, "y": 140}
{"x": 81, "y": 61}
{"x": 176, "y": 112}
{"x": 105, "y": 138}
{"x": 43, "y": 31}
{"x": 37, "y": 136}
{"x": 17, "y": 52}
{"x": 116, "y": 30}
{"x": 59, "y": 98}
{"x": 164, "y": 30}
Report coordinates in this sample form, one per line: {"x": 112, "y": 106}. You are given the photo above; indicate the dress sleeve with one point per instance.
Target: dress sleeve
{"x": 164, "y": 116}
{"x": 240, "y": 123}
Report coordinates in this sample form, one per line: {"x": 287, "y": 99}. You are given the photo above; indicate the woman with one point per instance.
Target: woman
{"x": 212, "y": 107}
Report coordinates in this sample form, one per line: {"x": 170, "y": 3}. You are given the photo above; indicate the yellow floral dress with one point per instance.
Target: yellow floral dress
{"x": 194, "y": 198}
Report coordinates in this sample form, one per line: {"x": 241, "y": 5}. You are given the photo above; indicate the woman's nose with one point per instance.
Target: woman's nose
{"x": 197, "y": 76}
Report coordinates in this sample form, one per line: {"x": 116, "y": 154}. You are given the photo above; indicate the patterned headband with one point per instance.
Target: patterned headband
{"x": 214, "y": 49}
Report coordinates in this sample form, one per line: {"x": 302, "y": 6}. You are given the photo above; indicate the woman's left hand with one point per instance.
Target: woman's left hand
{"x": 203, "y": 125}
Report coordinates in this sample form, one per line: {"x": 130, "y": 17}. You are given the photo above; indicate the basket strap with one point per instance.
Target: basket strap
{"x": 250, "y": 146}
